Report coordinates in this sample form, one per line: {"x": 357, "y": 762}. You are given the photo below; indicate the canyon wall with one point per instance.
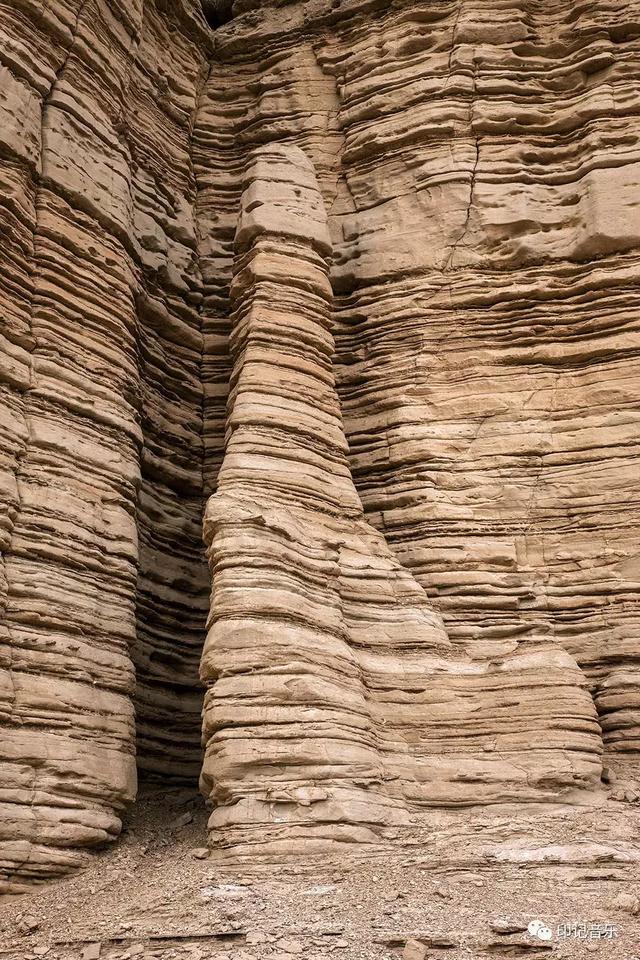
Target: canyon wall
{"x": 477, "y": 164}
{"x": 102, "y": 572}
{"x": 336, "y": 701}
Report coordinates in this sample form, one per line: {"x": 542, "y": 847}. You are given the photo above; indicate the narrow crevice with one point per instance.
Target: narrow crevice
{"x": 217, "y": 12}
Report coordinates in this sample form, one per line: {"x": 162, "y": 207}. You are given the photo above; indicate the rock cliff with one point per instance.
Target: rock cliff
{"x": 363, "y": 274}
{"x": 103, "y": 576}
{"x": 336, "y": 699}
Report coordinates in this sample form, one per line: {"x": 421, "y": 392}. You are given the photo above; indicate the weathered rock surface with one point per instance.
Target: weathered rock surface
{"x": 484, "y": 293}
{"x": 335, "y": 698}
{"x": 478, "y": 163}
{"x": 480, "y": 185}
{"x": 102, "y": 571}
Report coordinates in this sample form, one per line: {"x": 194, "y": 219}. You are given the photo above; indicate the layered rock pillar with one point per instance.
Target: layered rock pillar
{"x": 480, "y": 165}
{"x": 335, "y": 704}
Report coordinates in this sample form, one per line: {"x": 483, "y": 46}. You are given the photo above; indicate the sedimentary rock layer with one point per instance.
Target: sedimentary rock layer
{"x": 100, "y": 475}
{"x": 479, "y": 163}
{"x": 336, "y": 702}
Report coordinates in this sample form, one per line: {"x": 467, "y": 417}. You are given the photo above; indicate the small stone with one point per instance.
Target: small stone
{"x": 414, "y": 950}
{"x": 504, "y": 926}
{"x": 182, "y": 820}
{"x": 627, "y": 902}
{"x": 443, "y": 893}
{"x": 92, "y": 951}
{"x": 290, "y": 946}
{"x": 256, "y": 936}
{"x": 608, "y": 775}
{"x": 41, "y": 951}
{"x": 199, "y": 853}
{"x": 391, "y": 940}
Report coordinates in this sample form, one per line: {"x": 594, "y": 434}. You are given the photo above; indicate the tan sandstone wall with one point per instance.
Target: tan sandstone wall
{"x": 101, "y": 416}
{"x": 477, "y": 163}
{"x": 336, "y": 702}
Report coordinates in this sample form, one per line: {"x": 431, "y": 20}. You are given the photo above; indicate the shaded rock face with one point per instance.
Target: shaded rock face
{"x": 364, "y": 276}
{"x": 102, "y": 576}
{"x": 217, "y": 12}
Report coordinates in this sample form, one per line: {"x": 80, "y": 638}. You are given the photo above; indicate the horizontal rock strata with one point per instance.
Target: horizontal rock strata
{"x": 478, "y": 164}
{"x": 102, "y": 570}
{"x": 335, "y": 701}
{"x": 479, "y": 181}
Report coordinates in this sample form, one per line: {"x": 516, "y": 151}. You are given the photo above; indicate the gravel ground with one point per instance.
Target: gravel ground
{"x": 456, "y": 885}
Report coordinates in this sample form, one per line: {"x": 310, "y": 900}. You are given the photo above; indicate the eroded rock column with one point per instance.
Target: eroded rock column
{"x": 480, "y": 165}
{"x": 69, "y": 544}
{"x": 335, "y": 702}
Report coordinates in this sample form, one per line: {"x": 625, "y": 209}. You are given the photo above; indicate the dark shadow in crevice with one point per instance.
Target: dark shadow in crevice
{"x": 217, "y": 12}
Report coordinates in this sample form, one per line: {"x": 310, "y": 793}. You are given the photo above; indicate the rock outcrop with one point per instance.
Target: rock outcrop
{"x": 478, "y": 167}
{"x": 102, "y": 573}
{"x": 336, "y": 699}
{"x": 478, "y": 272}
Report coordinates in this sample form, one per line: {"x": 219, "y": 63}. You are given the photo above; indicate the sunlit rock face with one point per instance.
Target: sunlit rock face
{"x": 337, "y": 703}
{"x": 410, "y": 392}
